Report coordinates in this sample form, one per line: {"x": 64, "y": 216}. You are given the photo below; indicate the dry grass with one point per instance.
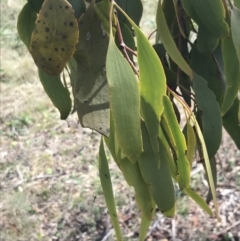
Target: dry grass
{"x": 50, "y": 188}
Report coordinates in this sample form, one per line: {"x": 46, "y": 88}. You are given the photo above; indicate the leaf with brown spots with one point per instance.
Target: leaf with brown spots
{"x": 55, "y": 36}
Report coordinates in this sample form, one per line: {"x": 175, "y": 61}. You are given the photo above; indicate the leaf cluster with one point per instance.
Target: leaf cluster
{"x": 130, "y": 91}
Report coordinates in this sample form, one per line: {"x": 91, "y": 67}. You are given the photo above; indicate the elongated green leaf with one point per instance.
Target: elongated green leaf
{"x": 152, "y": 85}
{"x": 207, "y": 164}
{"x": 191, "y": 143}
{"x": 205, "y": 66}
{"x": 235, "y": 20}
{"x": 79, "y": 7}
{"x": 209, "y": 44}
{"x": 199, "y": 200}
{"x": 169, "y": 43}
{"x": 26, "y": 24}
{"x": 232, "y": 73}
{"x": 134, "y": 178}
{"x": 36, "y": 4}
{"x": 237, "y": 3}
{"x": 103, "y": 10}
{"x": 133, "y": 8}
{"x": 214, "y": 175}
{"x": 180, "y": 144}
{"x": 132, "y": 175}
{"x": 231, "y": 122}
{"x": 112, "y": 142}
{"x": 72, "y": 65}
{"x": 91, "y": 88}
{"x": 59, "y": 95}
{"x": 159, "y": 179}
{"x": 144, "y": 225}
{"x": 204, "y": 45}
{"x": 210, "y": 114}
{"x": 124, "y": 102}
{"x": 105, "y": 178}
{"x": 171, "y": 161}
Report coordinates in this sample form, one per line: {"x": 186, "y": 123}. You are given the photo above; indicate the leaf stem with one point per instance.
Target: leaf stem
{"x": 124, "y": 49}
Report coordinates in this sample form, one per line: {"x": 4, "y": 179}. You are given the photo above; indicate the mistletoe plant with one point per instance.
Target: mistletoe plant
{"x": 126, "y": 89}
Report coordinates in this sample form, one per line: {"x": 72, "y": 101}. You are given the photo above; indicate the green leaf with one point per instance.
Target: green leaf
{"x": 36, "y": 4}
{"x": 191, "y": 143}
{"x": 237, "y": 3}
{"x": 232, "y": 73}
{"x": 124, "y": 102}
{"x": 199, "y": 200}
{"x": 171, "y": 161}
{"x": 205, "y": 66}
{"x": 210, "y": 114}
{"x": 206, "y": 160}
{"x": 132, "y": 175}
{"x": 91, "y": 88}
{"x": 26, "y": 24}
{"x": 103, "y": 10}
{"x": 179, "y": 142}
{"x": 72, "y": 65}
{"x": 204, "y": 45}
{"x": 169, "y": 43}
{"x": 112, "y": 142}
{"x": 133, "y": 8}
{"x": 231, "y": 122}
{"x": 152, "y": 85}
{"x": 214, "y": 175}
{"x": 79, "y": 7}
{"x": 235, "y": 20}
{"x": 143, "y": 230}
{"x": 159, "y": 178}
{"x": 59, "y": 95}
{"x": 106, "y": 183}
{"x": 212, "y": 15}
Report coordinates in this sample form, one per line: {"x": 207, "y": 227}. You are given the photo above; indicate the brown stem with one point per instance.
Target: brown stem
{"x": 124, "y": 49}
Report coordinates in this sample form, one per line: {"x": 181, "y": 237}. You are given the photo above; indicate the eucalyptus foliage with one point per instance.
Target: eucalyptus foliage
{"x": 131, "y": 92}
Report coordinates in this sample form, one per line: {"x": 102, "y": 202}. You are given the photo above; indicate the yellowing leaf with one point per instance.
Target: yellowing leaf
{"x": 55, "y": 36}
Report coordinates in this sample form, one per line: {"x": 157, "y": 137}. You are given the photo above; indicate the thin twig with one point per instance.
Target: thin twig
{"x": 228, "y": 228}
{"x": 124, "y": 48}
{"x": 19, "y": 173}
{"x": 107, "y": 235}
{"x": 46, "y": 176}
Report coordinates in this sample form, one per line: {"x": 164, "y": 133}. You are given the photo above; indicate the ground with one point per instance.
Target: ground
{"x": 49, "y": 182}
